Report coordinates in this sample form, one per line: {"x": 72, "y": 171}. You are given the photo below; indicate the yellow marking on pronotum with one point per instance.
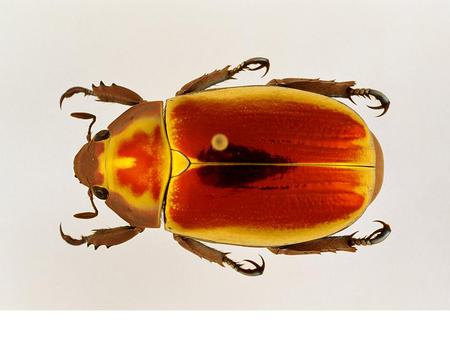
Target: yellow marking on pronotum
{"x": 114, "y": 162}
{"x": 124, "y": 162}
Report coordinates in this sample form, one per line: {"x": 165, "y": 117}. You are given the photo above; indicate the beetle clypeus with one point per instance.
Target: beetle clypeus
{"x": 281, "y": 166}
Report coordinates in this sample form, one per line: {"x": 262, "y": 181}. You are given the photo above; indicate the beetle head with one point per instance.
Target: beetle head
{"x": 86, "y": 164}
{"x": 128, "y": 164}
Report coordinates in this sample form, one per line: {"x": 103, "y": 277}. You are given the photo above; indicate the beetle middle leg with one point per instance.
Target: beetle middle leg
{"x": 104, "y": 93}
{"x": 219, "y": 257}
{"x": 334, "y": 243}
{"x": 333, "y": 89}
{"x": 106, "y": 237}
{"x": 223, "y": 74}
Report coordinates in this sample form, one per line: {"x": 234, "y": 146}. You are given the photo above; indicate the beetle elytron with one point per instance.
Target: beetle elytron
{"x": 281, "y": 166}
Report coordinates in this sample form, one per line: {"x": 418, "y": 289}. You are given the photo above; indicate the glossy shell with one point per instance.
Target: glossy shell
{"x": 134, "y": 164}
{"x": 266, "y": 166}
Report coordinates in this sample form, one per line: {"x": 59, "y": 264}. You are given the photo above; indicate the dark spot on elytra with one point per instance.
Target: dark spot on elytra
{"x": 239, "y": 154}
{"x": 239, "y": 176}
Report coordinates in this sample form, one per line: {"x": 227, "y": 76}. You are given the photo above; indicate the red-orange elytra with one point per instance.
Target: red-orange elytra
{"x": 297, "y": 166}
{"x": 286, "y": 131}
{"x": 252, "y": 196}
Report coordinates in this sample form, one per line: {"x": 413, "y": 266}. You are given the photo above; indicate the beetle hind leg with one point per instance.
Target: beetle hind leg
{"x": 334, "y": 89}
{"x": 376, "y": 237}
{"x": 217, "y": 76}
{"x": 334, "y": 243}
{"x": 367, "y": 92}
{"x": 219, "y": 257}
{"x": 106, "y": 237}
{"x": 104, "y": 93}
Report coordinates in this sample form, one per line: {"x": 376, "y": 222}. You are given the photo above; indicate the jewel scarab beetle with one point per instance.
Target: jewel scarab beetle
{"x": 282, "y": 166}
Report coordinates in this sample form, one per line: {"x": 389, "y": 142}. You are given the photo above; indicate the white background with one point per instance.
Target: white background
{"x": 399, "y": 47}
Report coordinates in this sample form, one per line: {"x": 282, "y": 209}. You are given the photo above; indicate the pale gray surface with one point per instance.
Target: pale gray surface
{"x": 401, "y": 48}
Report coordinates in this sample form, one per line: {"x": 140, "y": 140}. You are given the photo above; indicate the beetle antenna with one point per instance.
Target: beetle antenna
{"x": 88, "y": 214}
{"x": 86, "y": 116}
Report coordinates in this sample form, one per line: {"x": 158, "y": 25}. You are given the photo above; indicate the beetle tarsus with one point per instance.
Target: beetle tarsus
{"x": 259, "y": 62}
{"x": 350, "y": 98}
{"x": 375, "y": 237}
{"x": 334, "y": 89}
{"x": 70, "y": 240}
{"x": 104, "y": 93}
{"x": 367, "y": 92}
{"x": 219, "y": 257}
{"x": 257, "y": 269}
{"x": 72, "y": 91}
{"x": 334, "y": 243}
{"x": 205, "y": 81}
{"x": 106, "y": 237}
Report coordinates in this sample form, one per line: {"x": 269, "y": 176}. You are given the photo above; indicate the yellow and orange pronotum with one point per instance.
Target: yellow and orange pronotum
{"x": 281, "y": 166}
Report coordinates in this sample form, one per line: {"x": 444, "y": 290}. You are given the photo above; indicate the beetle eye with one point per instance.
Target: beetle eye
{"x": 100, "y": 192}
{"x": 101, "y": 135}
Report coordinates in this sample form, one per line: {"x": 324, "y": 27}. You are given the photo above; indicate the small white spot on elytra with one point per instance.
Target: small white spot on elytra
{"x": 219, "y": 142}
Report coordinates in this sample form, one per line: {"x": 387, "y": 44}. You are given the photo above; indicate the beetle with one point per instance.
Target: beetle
{"x": 282, "y": 166}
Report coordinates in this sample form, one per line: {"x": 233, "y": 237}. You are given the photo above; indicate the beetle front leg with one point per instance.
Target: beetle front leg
{"x": 106, "y": 237}
{"x": 333, "y": 89}
{"x": 219, "y": 257}
{"x": 113, "y": 93}
{"x": 334, "y": 243}
{"x": 224, "y": 74}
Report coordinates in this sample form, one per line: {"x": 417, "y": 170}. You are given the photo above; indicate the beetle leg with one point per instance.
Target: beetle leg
{"x": 367, "y": 92}
{"x": 223, "y": 74}
{"x": 333, "y": 89}
{"x": 334, "y": 243}
{"x": 376, "y": 237}
{"x": 106, "y": 237}
{"x": 113, "y": 93}
{"x": 219, "y": 257}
